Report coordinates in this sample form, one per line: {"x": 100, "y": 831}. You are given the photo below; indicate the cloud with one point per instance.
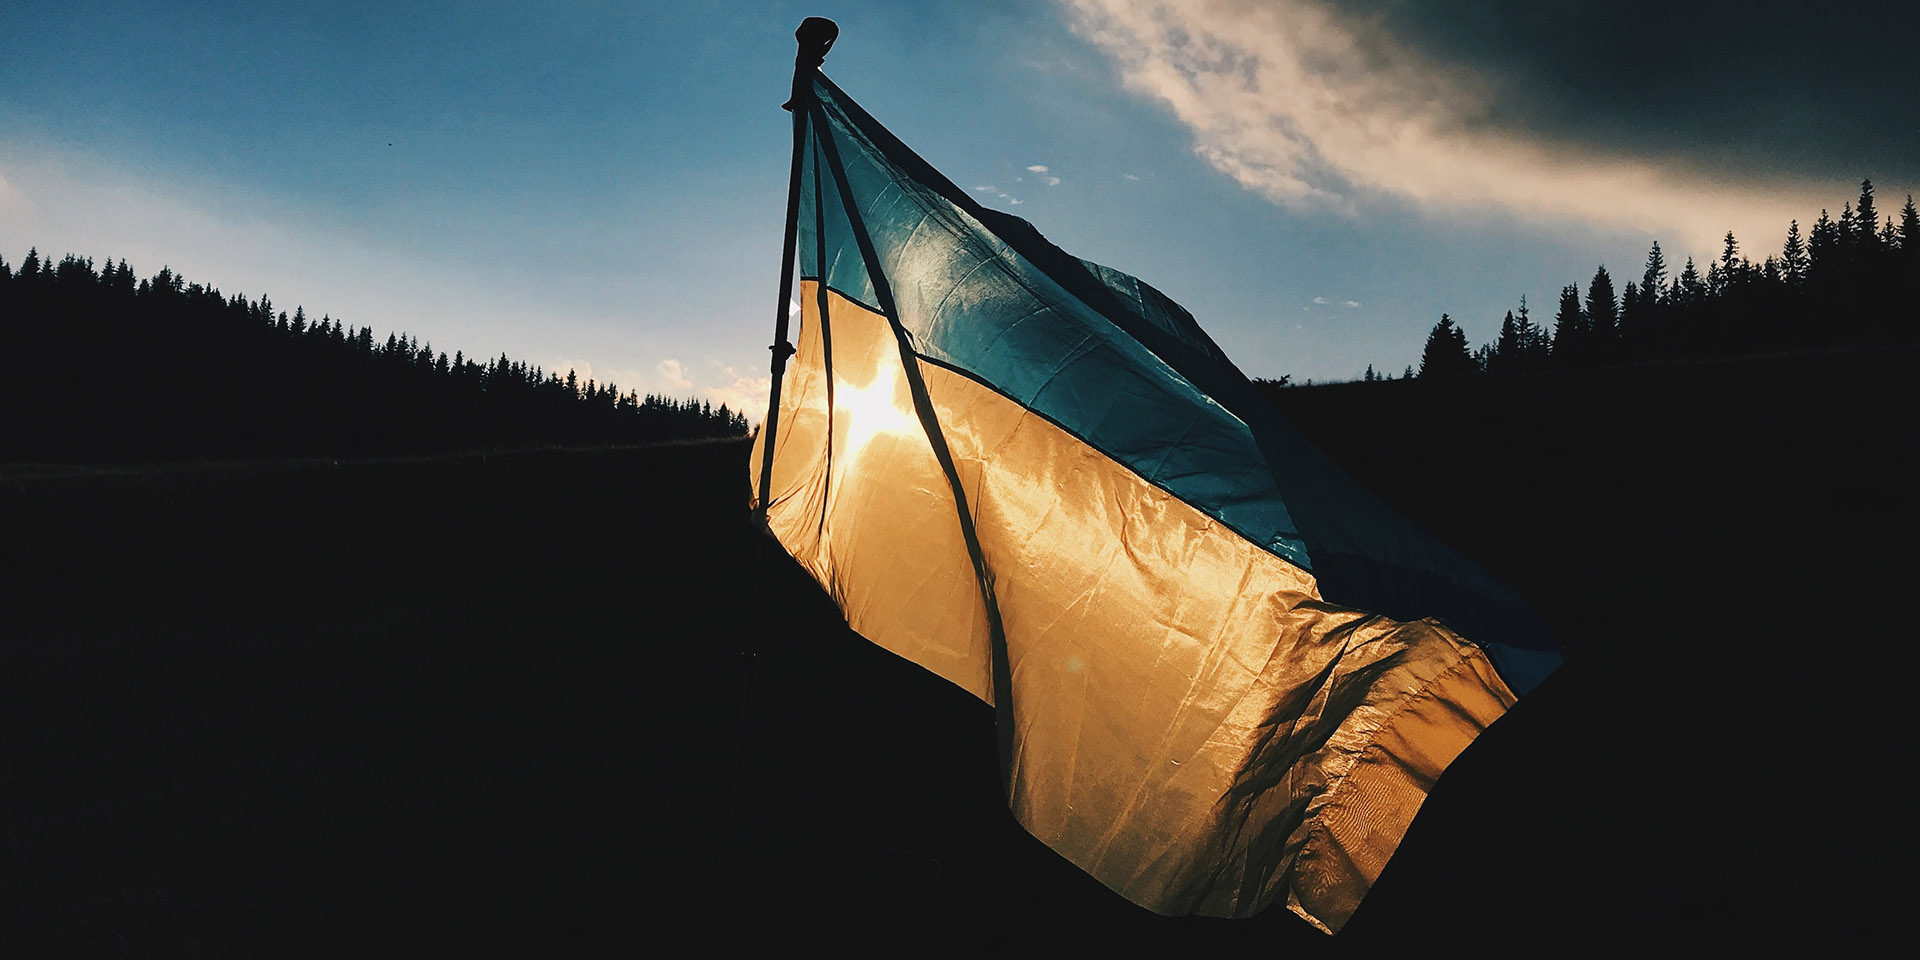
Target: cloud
{"x": 1758, "y": 87}
{"x": 1318, "y": 109}
{"x": 1041, "y": 168}
{"x": 1128, "y": 176}
{"x": 742, "y": 394}
{"x": 673, "y": 378}
{"x": 1351, "y": 304}
{"x": 999, "y": 194}
{"x": 1320, "y": 300}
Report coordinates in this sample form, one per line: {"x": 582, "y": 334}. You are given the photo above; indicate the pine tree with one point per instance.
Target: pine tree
{"x": 1633, "y": 319}
{"x": 1655, "y": 275}
{"x": 1507, "y": 349}
{"x": 1729, "y": 266}
{"x": 1446, "y": 353}
{"x": 1793, "y": 257}
{"x": 1693, "y": 290}
{"x": 1533, "y": 338}
{"x": 1602, "y": 323}
{"x": 1910, "y": 230}
{"x": 1823, "y": 249}
{"x": 1569, "y": 333}
{"x": 1866, "y": 219}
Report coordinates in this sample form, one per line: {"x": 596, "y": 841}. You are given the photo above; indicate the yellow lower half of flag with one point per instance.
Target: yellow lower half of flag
{"x": 1193, "y": 725}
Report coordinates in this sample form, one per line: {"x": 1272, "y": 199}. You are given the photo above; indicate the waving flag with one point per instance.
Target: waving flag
{"x": 1223, "y": 673}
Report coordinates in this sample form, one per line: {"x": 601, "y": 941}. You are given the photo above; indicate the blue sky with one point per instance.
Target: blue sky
{"x": 599, "y": 185}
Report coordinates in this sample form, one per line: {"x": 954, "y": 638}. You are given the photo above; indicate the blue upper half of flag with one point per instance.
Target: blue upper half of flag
{"x": 973, "y": 302}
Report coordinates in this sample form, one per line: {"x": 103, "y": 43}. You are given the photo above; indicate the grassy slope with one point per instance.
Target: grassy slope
{"x": 306, "y": 707}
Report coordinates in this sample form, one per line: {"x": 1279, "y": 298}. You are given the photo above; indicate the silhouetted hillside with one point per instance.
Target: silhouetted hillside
{"x": 101, "y": 367}
{"x": 574, "y": 703}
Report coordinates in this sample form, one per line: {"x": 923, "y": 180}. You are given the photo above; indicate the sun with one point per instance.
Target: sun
{"x": 871, "y": 411}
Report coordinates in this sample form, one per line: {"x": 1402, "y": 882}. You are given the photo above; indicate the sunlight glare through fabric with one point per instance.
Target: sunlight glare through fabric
{"x": 870, "y": 411}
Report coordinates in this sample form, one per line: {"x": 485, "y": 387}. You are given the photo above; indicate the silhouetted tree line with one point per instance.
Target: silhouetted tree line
{"x": 1849, "y": 281}
{"x": 99, "y": 364}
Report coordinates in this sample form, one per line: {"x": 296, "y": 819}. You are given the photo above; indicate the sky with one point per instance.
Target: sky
{"x": 600, "y": 186}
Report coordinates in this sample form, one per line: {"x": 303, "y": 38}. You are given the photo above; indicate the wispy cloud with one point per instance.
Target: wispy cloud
{"x": 1045, "y": 177}
{"x": 1320, "y": 300}
{"x": 1316, "y": 109}
{"x": 741, "y": 393}
{"x": 997, "y": 193}
{"x": 1351, "y": 304}
{"x": 673, "y": 378}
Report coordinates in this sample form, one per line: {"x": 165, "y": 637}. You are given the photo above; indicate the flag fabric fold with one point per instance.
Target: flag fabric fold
{"x": 1224, "y": 675}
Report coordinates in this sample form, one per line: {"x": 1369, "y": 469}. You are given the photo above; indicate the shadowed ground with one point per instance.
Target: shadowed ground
{"x": 302, "y": 708}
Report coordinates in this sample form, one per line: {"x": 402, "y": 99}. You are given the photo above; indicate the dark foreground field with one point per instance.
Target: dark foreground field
{"x": 437, "y": 706}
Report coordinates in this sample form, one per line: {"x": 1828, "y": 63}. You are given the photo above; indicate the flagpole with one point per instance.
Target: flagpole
{"x": 814, "y": 37}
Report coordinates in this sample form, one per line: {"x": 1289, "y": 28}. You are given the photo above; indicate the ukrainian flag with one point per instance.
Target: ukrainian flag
{"x": 1224, "y": 674}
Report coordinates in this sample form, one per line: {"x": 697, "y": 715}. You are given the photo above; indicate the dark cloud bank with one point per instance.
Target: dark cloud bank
{"x": 1758, "y": 89}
